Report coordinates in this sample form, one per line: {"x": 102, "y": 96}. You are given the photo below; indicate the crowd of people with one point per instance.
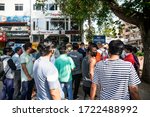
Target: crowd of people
{"x": 106, "y": 71}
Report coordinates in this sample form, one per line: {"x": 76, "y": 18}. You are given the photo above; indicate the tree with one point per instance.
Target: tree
{"x": 82, "y": 10}
{"x": 136, "y": 12}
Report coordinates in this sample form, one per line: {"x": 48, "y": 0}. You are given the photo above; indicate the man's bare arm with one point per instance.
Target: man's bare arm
{"x": 55, "y": 93}
{"x": 92, "y": 67}
{"x": 93, "y": 91}
{"x": 134, "y": 92}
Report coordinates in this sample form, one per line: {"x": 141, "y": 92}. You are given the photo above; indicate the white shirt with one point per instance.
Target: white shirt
{"x": 45, "y": 77}
{"x": 10, "y": 73}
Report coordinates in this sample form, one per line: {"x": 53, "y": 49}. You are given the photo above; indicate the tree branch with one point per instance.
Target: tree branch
{"x": 125, "y": 14}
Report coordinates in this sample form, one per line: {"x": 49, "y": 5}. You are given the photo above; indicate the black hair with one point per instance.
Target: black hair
{"x": 90, "y": 49}
{"x": 62, "y": 49}
{"x": 45, "y": 47}
{"x": 8, "y": 49}
{"x": 128, "y": 47}
{"x": 116, "y": 47}
{"x": 27, "y": 45}
{"x": 17, "y": 49}
{"x": 75, "y": 46}
{"x": 82, "y": 43}
{"x": 135, "y": 49}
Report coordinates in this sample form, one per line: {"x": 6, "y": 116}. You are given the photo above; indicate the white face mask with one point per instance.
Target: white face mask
{"x": 123, "y": 54}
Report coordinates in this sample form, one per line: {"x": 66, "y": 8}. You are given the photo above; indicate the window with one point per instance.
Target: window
{"x": 2, "y": 7}
{"x": 37, "y": 7}
{"x": 33, "y": 25}
{"x": 51, "y": 7}
{"x": 19, "y": 7}
{"x": 57, "y": 24}
{"x": 47, "y": 25}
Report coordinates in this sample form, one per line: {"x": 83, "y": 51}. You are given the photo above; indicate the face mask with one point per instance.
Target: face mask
{"x": 93, "y": 54}
{"x": 123, "y": 54}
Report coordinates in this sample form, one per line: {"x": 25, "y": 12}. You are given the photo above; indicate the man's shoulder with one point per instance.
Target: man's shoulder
{"x": 124, "y": 62}
{"x": 15, "y": 55}
{"x": 4, "y": 56}
{"x": 23, "y": 54}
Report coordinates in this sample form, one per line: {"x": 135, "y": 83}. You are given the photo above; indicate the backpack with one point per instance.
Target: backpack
{"x": 2, "y": 72}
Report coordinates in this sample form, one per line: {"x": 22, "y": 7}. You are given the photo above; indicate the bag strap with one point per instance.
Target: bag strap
{"x": 6, "y": 72}
{"x": 2, "y": 59}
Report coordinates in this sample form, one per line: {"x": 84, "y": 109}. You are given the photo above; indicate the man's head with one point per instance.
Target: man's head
{"x": 8, "y": 51}
{"x": 128, "y": 48}
{"x": 116, "y": 47}
{"x": 82, "y": 45}
{"x": 75, "y": 46}
{"x": 18, "y": 50}
{"x": 28, "y": 47}
{"x": 99, "y": 45}
{"x": 63, "y": 50}
{"x": 46, "y": 47}
{"x": 92, "y": 50}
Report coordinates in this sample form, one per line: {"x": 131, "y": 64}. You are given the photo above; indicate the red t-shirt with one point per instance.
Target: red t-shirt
{"x": 129, "y": 57}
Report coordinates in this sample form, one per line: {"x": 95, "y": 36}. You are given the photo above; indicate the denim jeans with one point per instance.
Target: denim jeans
{"x": 17, "y": 85}
{"x": 26, "y": 91}
{"x": 67, "y": 89}
{"x": 8, "y": 89}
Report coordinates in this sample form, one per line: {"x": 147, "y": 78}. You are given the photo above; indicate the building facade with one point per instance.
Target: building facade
{"x": 25, "y": 20}
{"x": 15, "y": 20}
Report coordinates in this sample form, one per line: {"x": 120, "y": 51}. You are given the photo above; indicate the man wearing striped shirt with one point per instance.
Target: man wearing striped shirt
{"x": 118, "y": 79}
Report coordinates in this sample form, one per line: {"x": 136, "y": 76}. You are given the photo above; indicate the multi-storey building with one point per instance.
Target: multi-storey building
{"x": 14, "y": 20}
{"x": 24, "y": 20}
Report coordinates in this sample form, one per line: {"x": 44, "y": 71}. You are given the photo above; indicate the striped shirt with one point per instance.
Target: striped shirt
{"x": 114, "y": 77}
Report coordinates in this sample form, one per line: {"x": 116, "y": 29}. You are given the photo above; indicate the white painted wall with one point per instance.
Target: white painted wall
{"x": 10, "y": 8}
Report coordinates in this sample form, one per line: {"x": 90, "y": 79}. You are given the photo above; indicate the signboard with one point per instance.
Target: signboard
{"x": 72, "y": 32}
{"x": 14, "y": 18}
{"x": 99, "y": 38}
{"x": 17, "y": 34}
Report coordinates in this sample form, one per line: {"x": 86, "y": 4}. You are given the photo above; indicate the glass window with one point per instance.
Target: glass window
{"x": 52, "y": 7}
{"x": 2, "y": 7}
{"x": 37, "y": 7}
{"x": 33, "y": 25}
{"x": 57, "y": 24}
{"x": 47, "y": 25}
{"x": 19, "y": 7}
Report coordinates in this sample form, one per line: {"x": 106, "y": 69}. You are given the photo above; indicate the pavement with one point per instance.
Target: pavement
{"x": 144, "y": 91}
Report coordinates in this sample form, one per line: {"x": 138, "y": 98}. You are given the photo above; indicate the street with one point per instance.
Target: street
{"x": 144, "y": 90}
